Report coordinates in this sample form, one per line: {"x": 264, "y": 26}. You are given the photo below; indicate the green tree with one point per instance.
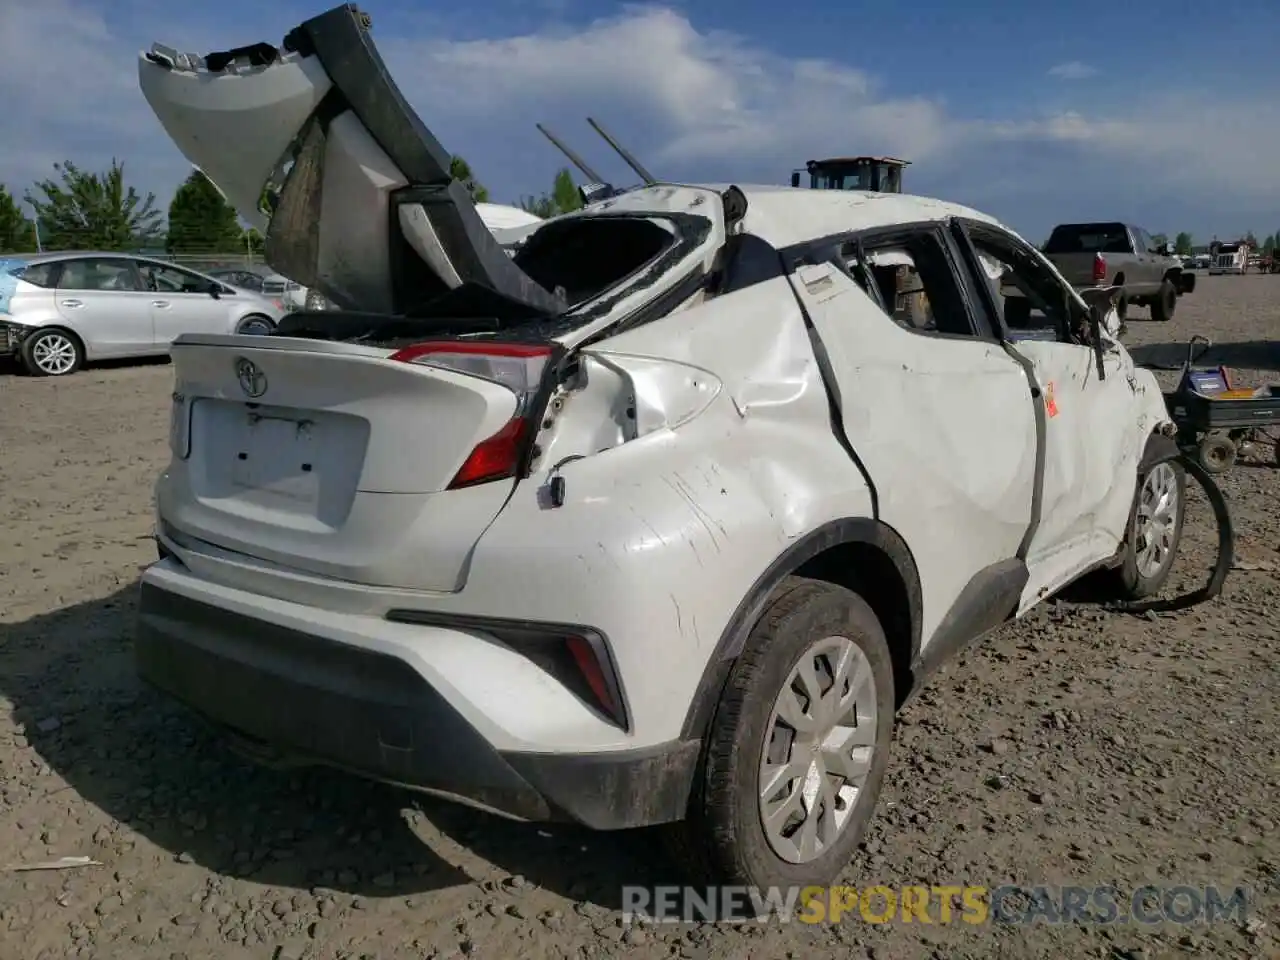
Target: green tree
{"x": 563, "y": 198}
{"x": 252, "y": 241}
{"x": 460, "y": 170}
{"x": 1251, "y": 240}
{"x": 1269, "y": 244}
{"x": 565, "y": 192}
{"x": 93, "y": 211}
{"x": 1182, "y": 244}
{"x": 201, "y": 220}
{"x": 17, "y": 233}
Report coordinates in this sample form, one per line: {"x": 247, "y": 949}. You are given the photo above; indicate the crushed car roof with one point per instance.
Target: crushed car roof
{"x": 785, "y": 216}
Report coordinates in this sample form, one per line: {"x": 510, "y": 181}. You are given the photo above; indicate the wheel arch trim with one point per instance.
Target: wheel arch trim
{"x": 849, "y": 530}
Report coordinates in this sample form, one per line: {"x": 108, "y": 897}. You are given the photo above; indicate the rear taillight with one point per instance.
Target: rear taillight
{"x": 519, "y": 367}
{"x": 496, "y": 458}
{"x": 1099, "y": 268}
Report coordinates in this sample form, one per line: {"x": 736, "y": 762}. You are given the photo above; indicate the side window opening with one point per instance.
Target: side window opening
{"x": 1031, "y": 299}
{"x": 913, "y": 283}
{"x": 99, "y": 275}
{"x": 171, "y": 279}
{"x": 38, "y": 275}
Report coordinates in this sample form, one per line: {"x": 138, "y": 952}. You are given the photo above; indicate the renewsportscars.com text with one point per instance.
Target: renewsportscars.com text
{"x": 937, "y": 905}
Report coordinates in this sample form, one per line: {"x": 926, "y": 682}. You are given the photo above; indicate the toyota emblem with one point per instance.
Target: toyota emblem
{"x": 252, "y": 380}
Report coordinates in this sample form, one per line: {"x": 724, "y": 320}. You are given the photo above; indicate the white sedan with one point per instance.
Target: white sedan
{"x": 59, "y": 310}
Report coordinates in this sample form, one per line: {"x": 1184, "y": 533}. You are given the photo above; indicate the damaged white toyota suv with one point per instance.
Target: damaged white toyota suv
{"x": 658, "y": 520}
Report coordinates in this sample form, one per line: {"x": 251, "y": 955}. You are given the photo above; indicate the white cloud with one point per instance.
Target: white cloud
{"x": 66, "y": 88}
{"x": 691, "y": 102}
{"x": 698, "y": 96}
{"x": 1073, "y": 70}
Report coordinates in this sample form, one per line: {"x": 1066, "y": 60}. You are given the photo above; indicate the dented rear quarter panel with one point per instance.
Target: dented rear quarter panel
{"x": 672, "y": 529}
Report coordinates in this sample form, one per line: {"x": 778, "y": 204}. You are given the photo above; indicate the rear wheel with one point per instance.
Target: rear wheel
{"x": 1165, "y": 302}
{"x": 52, "y": 353}
{"x": 256, "y": 325}
{"x": 796, "y": 753}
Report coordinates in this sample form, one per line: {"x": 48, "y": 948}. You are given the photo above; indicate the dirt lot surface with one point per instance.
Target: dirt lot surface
{"x": 1076, "y": 747}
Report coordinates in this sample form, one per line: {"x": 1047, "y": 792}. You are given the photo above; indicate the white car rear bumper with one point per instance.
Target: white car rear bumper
{"x": 446, "y": 711}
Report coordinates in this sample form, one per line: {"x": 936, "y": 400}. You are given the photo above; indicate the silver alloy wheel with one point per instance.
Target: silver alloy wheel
{"x": 1156, "y": 520}
{"x": 818, "y": 749}
{"x": 53, "y": 353}
{"x": 255, "y": 326}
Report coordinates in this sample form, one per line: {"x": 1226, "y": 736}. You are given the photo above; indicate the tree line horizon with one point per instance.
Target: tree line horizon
{"x": 78, "y": 209}
{"x": 86, "y": 210}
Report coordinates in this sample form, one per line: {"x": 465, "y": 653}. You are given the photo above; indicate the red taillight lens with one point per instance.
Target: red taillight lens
{"x": 1099, "y": 268}
{"x": 494, "y": 459}
{"x": 517, "y": 366}
{"x": 583, "y": 665}
{"x": 585, "y": 659}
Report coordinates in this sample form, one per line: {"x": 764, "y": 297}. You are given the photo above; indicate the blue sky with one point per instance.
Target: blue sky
{"x": 1168, "y": 116}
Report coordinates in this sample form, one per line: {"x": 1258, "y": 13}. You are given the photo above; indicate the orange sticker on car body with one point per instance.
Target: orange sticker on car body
{"x": 1050, "y": 403}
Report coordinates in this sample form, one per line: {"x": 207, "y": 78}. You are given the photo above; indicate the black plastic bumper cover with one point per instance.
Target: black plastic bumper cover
{"x": 317, "y": 701}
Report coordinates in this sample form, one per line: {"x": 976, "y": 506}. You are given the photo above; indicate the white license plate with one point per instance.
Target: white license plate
{"x": 277, "y": 458}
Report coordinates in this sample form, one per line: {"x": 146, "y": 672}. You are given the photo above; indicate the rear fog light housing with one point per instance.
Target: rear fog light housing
{"x": 578, "y": 658}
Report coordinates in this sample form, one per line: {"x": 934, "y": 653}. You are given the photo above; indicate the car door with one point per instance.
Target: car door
{"x": 182, "y": 302}
{"x": 937, "y": 413}
{"x": 102, "y": 300}
{"x": 1150, "y": 272}
{"x": 1090, "y": 462}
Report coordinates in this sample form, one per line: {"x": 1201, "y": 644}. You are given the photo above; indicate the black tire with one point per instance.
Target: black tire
{"x": 52, "y": 352}
{"x": 1216, "y": 453}
{"x": 1134, "y": 583}
{"x": 722, "y": 840}
{"x": 256, "y": 324}
{"x": 1165, "y": 302}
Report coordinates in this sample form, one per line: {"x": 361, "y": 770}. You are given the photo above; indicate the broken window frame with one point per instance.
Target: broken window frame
{"x": 973, "y": 231}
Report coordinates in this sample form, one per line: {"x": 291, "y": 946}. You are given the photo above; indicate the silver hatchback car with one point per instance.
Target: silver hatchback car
{"x": 59, "y": 310}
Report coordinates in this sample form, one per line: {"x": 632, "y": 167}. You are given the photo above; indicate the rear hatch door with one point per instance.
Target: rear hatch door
{"x": 313, "y": 142}
{"x": 338, "y": 460}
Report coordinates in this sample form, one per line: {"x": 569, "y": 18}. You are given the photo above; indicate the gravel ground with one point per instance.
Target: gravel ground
{"x": 1076, "y": 747}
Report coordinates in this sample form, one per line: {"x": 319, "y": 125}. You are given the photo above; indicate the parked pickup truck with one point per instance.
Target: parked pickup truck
{"x": 1122, "y": 255}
